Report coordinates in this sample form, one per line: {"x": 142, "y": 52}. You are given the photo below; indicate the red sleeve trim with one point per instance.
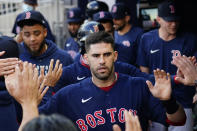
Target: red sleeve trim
{"x": 175, "y": 81}
{"x": 53, "y": 93}
{"x": 176, "y": 123}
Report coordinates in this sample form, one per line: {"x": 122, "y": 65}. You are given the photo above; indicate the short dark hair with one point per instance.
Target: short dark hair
{"x": 98, "y": 37}
{"x": 53, "y": 122}
{"x": 31, "y": 23}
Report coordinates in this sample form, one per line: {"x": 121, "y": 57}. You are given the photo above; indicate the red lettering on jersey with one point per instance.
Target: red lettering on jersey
{"x": 175, "y": 53}
{"x": 81, "y": 124}
{"x": 121, "y": 116}
{"x": 111, "y": 112}
{"x": 91, "y": 120}
{"x": 101, "y": 120}
{"x": 133, "y": 111}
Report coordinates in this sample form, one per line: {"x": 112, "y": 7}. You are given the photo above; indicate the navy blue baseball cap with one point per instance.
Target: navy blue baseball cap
{"x": 31, "y": 16}
{"x": 10, "y": 46}
{"x": 102, "y": 16}
{"x": 31, "y": 2}
{"x": 119, "y": 11}
{"x": 168, "y": 11}
{"x": 75, "y": 15}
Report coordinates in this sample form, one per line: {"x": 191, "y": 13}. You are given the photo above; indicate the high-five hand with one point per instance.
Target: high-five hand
{"x": 162, "y": 88}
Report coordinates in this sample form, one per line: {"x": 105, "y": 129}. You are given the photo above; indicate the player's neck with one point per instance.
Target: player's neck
{"x": 104, "y": 83}
{"x": 125, "y": 29}
{"x": 166, "y": 36}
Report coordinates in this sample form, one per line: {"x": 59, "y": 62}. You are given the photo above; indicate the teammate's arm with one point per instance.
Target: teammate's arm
{"x": 24, "y": 86}
{"x": 144, "y": 69}
{"x": 163, "y": 91}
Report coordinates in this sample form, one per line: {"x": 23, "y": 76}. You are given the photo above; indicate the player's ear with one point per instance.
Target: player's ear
{"x": 85, "y": 56}
{"x": 158, "y": 19}
{"x": 45, "y": 32}
{"x": 115, "y": 56}
{"x": 127, "y": 18}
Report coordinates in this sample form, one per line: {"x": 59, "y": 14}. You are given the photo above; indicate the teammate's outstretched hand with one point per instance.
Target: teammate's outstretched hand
{"x": 24, "y": 85}
{"x": 53, "y": 75}
{"x": 131, "y": 123}
{"x": 162, "y": 88}
{"x": 7, "y": 65}
{"x": 188, "y": 69}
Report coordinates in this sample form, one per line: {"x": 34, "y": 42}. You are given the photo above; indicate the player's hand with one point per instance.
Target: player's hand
{"x": 131, "y": 123}
{"x": 53, "y": 75}
{"x": 195, "y": 98}
{"x": 188, "y": 69}
{"x": 162, "y": 88}
{"x": 7, "y": 65}
{"x": 24, "y": 85}
{"x": 18, "y": 38}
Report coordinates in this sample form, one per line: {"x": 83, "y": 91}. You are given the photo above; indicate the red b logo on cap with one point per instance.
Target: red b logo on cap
{"x": 102, "y": 14}
{"x": 172, "y": 10}
{"x": 28, "y": 15}
{"x": 114, "y": 9}
{"x": 71, "y": 14}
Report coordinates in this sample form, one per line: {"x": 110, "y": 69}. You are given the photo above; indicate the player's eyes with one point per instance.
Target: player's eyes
{"x": 108, "y": 54}
{"x": 26, "y": 34}
{"x": 37, "y": 33}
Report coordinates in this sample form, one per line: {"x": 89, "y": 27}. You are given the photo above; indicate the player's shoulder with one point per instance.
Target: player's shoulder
{"x": 150, "y": 33}
{"x": 130, "y": 79}
{"x": 75, "y": 88}
{"x": 187, "y": 35}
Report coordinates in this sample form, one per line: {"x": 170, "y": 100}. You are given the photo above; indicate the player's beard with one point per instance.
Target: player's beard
{"x": 37, "y": 52}
{"x": 74, "y": 35}
{"x": 101, "y": 76}
{"x": 120, "y": 27}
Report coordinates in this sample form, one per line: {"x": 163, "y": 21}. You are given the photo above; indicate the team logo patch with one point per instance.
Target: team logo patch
{"x": 71, "y": 14}
{"x": 101, "y": 14}
{"x": 172, "y": 9}
{"x": 114, "y": 9}
{"x": 126, "y": 43}
{"x": 27, "y": 15}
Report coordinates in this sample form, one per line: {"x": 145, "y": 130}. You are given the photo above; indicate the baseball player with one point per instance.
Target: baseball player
{"x": 35, "y": 48}
{"x": 74, "y": 19}
{"x": 105, "y": 18}
{"x": 80, "y": 69}
{"x": 126, "y": 34}
{"x": 98, "y": 102}
{"x": 158, "y": 47}
{"x": 29, "y": 5}
{"x": 9, "y": 55}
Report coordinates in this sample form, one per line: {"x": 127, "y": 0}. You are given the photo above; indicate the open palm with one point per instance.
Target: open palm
{"x": 162, "y": 88}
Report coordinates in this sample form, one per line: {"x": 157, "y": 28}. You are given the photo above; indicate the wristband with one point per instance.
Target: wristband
{"x": 170, "y": 105}
{"x": 175, "y": 81}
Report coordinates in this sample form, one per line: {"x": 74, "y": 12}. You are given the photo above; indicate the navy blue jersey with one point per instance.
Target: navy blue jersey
{"x": 93, "y": 109}
{"x": 157, "y": 53}
{"x": 128, "y": 52}
{"x": 72, "y": 47}
{"x": 16, "y": 29}
{"x": 8, "y": 118}
{"x": 80, "y": 71}
{"x": 52, "y": 52}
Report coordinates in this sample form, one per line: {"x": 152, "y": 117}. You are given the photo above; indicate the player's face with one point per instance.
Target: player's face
{"x": 119, "y": 24}
{"x": 101, "y": 58}
{"x": 73, "y": 28}
{"x": 108, "y": 27}
{"x": 33, "y": 37}
{"x": 170, "y": 27}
